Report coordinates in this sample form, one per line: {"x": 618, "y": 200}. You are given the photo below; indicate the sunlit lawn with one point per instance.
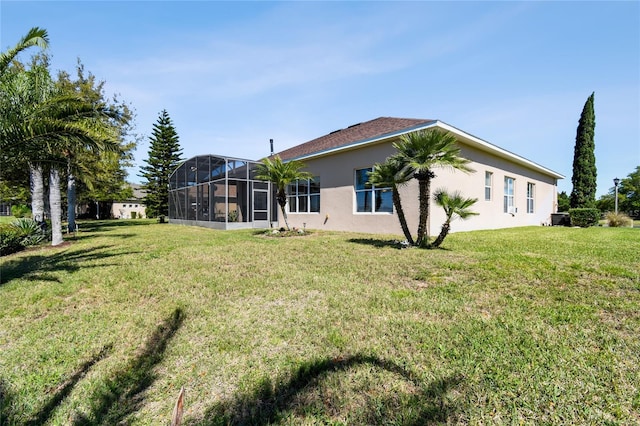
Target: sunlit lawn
{"x": 520, "y": 326}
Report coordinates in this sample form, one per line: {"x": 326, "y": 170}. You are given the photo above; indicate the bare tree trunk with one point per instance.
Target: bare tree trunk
{"x": 446, "y": 227}
{"x": 282, "y": 201}
{"x": 55, "y": 204}
{"x": 71, "y": 197}
{"x": 401, "y": 217}
{"x": 37, "y": 191}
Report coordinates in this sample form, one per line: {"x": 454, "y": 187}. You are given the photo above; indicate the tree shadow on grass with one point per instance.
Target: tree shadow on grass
{"x": 38, "y": 267}
{"x": 123, "y": 394}
{"x": 119, "y": 396}
{"x": 65, "y": 388}
{"x": 7, "y": 409}
{"x": 268, "y": 404}
{"x": 109, "y": 225}
{"x": 377, "y": 242}
{"x": 88, "y": 229}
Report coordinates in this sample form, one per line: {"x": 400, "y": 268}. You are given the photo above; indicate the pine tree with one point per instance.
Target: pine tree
{"x": 584, "y": 160}
{"x": 164, "y": 156}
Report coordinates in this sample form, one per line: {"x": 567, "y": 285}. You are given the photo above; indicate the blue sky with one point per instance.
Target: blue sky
{"x": 232, "y": 75}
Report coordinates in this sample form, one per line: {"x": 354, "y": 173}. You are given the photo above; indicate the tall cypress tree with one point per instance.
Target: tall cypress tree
{"x": 584, "y": 160}
{"x": 164, "y": 156}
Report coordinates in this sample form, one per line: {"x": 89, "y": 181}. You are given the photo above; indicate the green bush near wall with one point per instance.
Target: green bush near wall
{"x": 584, "y": 217}
{"x": 10, "y": 239}
{"x": 134, "y": 215}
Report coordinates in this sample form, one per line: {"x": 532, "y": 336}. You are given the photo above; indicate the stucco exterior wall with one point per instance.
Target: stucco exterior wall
{"x": 337, "y": 195}
{"x": 123, "y": 210}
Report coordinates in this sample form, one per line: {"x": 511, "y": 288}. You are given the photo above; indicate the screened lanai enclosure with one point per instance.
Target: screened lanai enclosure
{"x": 221, "y": 193}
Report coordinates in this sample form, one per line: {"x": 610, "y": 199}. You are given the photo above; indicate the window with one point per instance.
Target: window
{"x": 304, "y": 196}
{"x": 370, "y": 198}
{"x": 531, "y": 190}
{"x": 488, "y": 179}
{"x": 509, "y": 206}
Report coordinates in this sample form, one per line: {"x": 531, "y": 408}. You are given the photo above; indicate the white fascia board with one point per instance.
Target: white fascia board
{"x": 467, "y": 138}
{"x": 483, "y": 145}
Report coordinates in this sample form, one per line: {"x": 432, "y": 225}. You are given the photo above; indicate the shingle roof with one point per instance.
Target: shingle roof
{"x": 355, "y": 133}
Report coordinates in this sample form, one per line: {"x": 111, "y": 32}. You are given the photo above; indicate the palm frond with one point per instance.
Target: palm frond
{"x": 455, "y": 205}
{"x": 34, "y": 37}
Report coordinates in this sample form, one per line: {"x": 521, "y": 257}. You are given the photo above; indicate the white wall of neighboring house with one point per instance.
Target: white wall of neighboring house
{"x": 123, "y": 210}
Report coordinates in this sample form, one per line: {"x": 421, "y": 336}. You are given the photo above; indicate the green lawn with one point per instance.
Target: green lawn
{"x": 7, "y": 219}
{"x": 521, "y": 326}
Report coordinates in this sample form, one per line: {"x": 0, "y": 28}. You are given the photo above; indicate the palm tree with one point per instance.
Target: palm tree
{"x": 455, "y": 206}
{"x": 281, "y": 174}
{"x": 420, "y": 152}
{"x": 34, "y": 37}
{"x": 392, "y": 173}
{"x": 41, "y": 125}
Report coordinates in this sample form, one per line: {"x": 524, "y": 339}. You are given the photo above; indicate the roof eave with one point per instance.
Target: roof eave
{"x": 468, "y": 139}
{"x": 368, "y": 141}
{"x": 483, "y": 145}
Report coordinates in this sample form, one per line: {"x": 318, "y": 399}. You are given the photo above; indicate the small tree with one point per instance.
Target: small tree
{"x": 420, "y": 153}
{"x": 583, "y": 194}
{"x": 455, "y": 206}
{"x": 392, "y": 173}
{"x": 164, "y": 156}
{"x": 281, "y": 174}
{"x": 629, "y": 191}
{"x": 563, "y": 202}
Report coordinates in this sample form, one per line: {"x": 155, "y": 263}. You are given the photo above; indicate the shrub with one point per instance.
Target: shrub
{"x": 618, "y": 220}
{"x": 20, "y": 210}
{"x": 134, "y": 215}
{"x": 30, "y": 230}
{"x": 10, "y": 239}
{"x": 584, "y": 217}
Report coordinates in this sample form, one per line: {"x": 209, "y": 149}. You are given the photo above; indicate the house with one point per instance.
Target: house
{"x": 511, "y": 190}
{"x": 222, "y": 193}
{"x": 132, "y": 208}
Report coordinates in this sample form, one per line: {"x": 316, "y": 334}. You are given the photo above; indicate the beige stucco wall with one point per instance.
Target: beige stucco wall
{"x": 337, "y": 195}
{"x": 123, "y": 210}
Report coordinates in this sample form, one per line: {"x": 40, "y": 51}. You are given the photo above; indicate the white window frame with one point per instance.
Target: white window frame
{"x": 531, "y": 193}
{"x": 298, "y": 195}
{"x": 488, "y": 185}
{"x": 509, "y": 205}
{"x": 373, "y": 190}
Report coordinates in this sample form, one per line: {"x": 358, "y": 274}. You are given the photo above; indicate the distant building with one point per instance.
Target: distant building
{"x": 132, "y": 208}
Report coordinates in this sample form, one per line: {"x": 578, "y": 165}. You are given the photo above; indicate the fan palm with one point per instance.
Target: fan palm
{"x": 281, "y": 174}
{"x": 455, "y": 206}
{"x": 392, "y": 174}
{"x": 420, "y": 152}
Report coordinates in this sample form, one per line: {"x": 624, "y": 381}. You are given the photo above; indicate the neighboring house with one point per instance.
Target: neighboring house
{"x": 131, "y": 208}
{"x": 511, "y": 190}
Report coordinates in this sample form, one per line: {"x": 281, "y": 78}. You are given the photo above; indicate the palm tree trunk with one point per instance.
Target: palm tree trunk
{"x": 55, "y": 204}
{"x": 71, "y": 197}
{"x": 403, "y": 220}
{"x": 423, "y": 197}
{"x": 446, "y": 227}
{"x": 282, "y": 201}
{"x": 37, "y": 191}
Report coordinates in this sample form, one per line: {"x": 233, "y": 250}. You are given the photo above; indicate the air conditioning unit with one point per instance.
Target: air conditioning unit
{"x": 512, "y": 210}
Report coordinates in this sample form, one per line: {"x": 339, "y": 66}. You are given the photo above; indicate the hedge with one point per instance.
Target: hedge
{"x": 584, "y": 217}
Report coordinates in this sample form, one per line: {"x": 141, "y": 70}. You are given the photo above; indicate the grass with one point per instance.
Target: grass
{"x": 517, "y": 326}
{"x": 7, "y": 219}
